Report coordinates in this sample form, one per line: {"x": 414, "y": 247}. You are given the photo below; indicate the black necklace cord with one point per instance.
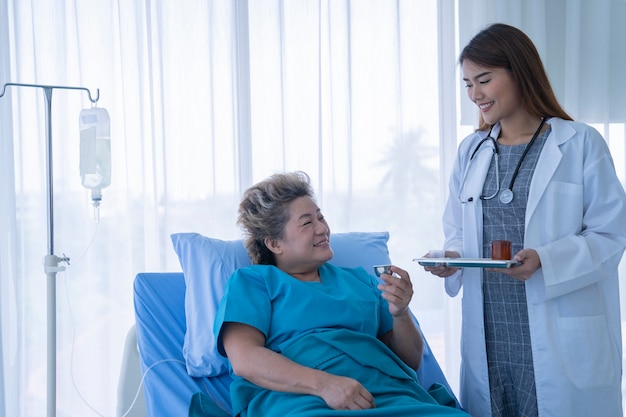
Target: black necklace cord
{"x": 519, "y": 163}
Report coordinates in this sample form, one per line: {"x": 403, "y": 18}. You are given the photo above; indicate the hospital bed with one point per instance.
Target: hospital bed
{"x": 173, "y": 308}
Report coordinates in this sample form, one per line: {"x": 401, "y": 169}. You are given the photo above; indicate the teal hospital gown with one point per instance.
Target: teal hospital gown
{"x": 332, "y": 325}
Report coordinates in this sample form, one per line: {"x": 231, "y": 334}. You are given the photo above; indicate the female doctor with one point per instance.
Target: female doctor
{"x": 542, "y": 338}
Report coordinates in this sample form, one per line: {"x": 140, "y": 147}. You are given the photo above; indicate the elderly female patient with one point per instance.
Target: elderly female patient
{"x": 306, "y": 338}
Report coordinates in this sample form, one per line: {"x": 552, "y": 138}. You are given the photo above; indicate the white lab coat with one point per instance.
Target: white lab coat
{"x": 576, "y": 221}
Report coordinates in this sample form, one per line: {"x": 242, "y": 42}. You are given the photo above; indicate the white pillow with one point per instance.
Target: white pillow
{"x": 207, "y": 263}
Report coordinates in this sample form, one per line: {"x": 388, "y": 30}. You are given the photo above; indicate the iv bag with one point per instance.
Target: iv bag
{"x": 95, "y": 149}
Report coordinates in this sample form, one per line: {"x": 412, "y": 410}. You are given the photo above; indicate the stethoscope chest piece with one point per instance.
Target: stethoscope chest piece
{"x": 506, "y": 196}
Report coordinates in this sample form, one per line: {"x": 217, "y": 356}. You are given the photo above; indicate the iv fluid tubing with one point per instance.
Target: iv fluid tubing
{"x": 49, "y": 193}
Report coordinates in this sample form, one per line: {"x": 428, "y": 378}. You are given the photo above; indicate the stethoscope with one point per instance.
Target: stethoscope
{"x": 506, "y": 196}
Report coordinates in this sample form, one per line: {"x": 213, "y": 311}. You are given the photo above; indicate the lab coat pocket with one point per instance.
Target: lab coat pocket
{"x": 589, "y": 354}
{"x": 567, "y": 200}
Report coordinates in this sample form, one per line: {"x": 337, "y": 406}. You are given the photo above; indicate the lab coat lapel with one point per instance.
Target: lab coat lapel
{"x": 547, "y": 164}
{"x": 477, "y": 168}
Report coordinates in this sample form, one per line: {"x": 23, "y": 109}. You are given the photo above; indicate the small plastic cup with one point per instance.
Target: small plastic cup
{"x": 501, "y": 250}
{"x": 382, "y": 269}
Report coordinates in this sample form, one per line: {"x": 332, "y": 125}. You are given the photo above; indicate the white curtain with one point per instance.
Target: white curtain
{"x": 207, "y": 97}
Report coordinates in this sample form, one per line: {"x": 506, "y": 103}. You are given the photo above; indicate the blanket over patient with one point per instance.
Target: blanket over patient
{"x": 393, "y": 384}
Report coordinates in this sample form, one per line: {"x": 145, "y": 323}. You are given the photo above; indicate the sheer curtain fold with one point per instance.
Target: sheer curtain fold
{"x": 8, "y": 335}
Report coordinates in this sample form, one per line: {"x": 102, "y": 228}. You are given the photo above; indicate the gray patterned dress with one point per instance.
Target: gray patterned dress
{"x": 507, "y": 333}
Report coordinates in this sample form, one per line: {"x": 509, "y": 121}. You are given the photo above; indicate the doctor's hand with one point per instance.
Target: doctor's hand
{"x": 443, "y": 271}
{"x": 529, "y": 263}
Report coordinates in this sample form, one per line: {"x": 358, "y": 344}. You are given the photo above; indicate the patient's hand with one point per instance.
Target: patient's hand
{"x": 397, "y": 290}
{"x": 342, "y": 393}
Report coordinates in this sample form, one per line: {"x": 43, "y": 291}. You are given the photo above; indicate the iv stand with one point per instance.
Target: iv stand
{"x": 51, "y": 261}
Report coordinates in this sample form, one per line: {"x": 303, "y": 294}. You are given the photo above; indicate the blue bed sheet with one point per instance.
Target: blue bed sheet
{"x": 159, "y": 299}
{"x": 160, "y": 320}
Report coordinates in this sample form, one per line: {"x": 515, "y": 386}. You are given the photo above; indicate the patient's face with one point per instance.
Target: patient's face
{"x": 305, "y": 245}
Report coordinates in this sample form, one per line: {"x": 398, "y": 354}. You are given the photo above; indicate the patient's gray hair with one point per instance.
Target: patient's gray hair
{"x": 264, "y": 211}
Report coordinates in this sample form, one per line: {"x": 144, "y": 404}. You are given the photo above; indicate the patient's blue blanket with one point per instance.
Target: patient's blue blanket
{"x": 394, "y": 385}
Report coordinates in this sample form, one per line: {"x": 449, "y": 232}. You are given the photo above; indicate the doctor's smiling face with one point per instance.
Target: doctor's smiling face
{"x": 493, "y": 90}
{"x": 305, "y": 242}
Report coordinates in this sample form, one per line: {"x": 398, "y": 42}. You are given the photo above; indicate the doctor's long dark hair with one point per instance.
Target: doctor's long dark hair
{"x": 504, "y": 46}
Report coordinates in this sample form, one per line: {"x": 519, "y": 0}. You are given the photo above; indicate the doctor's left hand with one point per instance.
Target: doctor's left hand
{"x": 529, "y": 263}
{"x": 443, "y": 271}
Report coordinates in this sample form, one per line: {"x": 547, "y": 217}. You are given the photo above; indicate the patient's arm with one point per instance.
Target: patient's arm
{"x": 404, "y": 338}
{"x": 250, "y": 359}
